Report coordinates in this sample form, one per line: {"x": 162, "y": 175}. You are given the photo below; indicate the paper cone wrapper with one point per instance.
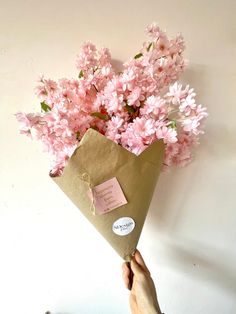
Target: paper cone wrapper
{"x": 98, "y": 159}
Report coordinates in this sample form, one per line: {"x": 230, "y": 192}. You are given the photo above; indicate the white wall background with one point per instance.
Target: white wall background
{"x": 51, "y": 258}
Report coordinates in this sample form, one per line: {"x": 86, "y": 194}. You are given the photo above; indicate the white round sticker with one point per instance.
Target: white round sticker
{"x": 123, "y": 226}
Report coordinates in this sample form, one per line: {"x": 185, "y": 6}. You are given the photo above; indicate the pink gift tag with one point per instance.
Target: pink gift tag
{"x": 107, "y": 196}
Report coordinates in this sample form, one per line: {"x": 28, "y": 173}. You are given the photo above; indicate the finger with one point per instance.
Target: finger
{"x": 135, "y": 267}
{"x": 125, "y": 268}
{"x": 139, "y": 259}
{"x": 125, "y": 274}
{"x": 126, "y": 281}
{"x": 131, "y": 276}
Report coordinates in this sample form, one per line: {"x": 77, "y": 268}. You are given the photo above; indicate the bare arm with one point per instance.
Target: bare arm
{"x": 143, "y": 297}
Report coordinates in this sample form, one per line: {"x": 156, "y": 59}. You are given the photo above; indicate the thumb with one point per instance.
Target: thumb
{"x": 139, "y": 259}
{"x": 136, "y": 268}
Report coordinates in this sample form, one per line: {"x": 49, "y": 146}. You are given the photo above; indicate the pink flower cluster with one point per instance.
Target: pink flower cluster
{"x": 134, "y": 108}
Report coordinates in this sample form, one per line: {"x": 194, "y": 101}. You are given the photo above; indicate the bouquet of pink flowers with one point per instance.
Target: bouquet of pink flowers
{"x": 110, "y": 133}
{"x": 133, "y": 108}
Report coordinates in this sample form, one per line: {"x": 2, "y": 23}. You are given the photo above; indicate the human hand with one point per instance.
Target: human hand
{"x": 143, "y": 297}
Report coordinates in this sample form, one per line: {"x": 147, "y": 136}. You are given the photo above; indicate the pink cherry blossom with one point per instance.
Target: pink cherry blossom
{"x": 132, "y": 142}
{"x": 114, "y": 128}
{"x": 135, "y": 97}
{"x": 134, "y": 107}
{"x": 155, "y": 107}
{"x": 143, "y": 127}
{"x": 169, "y": 135}
{"x": 87, "y": 58}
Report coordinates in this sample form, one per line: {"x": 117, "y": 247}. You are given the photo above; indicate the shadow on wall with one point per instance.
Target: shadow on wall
{"x": 204, "y": 266}
{"x": 204, "y": 262}
{"x": 117, "y": 65}
{"x": 196, "y": 76}
{"x": 174, "y": 194}
{"x": 196, "y": 259}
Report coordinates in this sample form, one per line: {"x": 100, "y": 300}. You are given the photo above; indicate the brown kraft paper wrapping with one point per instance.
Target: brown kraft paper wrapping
{"x": 97, "y": 159}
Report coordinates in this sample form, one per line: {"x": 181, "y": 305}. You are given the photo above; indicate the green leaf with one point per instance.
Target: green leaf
{"x": 130, "y": 109}
{"x": 138, "y": 55}
{"x": 81, "y": 74}
{"x": 100, "y": 115}
{"x": 77, "y": 135}
{"x": 173, "y": 124}
{"x": 149, "y": 46}
{"x": 45, "y": 107}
